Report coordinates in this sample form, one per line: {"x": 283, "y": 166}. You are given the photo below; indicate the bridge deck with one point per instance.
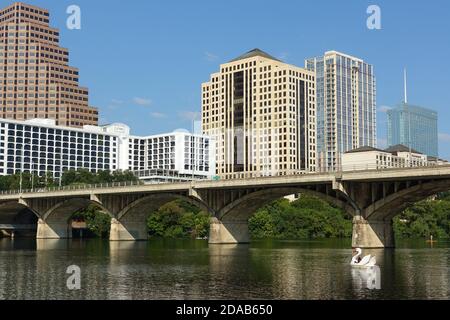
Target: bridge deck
{"x": 9, "y": 227}
{"x": 392, "y": 174}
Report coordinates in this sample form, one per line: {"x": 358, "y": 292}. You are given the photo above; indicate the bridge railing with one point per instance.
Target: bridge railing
{"x": 75, "y": 187}
{"x": 385, "y": 167}
{"x": 18, "y": 227}
{"x": 340, "y": 169}
{"x": 345, "y": 168}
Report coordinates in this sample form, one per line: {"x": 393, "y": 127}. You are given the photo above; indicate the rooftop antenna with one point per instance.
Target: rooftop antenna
{"x": 409, "y": 117}
{"x": 406, "y": 87}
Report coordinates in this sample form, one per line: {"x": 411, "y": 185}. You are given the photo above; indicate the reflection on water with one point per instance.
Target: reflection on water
{"x": 164, "y": 269}
{"x": 368, "y": 278}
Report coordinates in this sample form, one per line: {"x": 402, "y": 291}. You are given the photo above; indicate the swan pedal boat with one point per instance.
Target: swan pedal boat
{"x": 366, "y": 262}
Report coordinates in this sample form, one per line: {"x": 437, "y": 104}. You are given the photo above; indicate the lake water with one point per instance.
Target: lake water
{"x": 179, "y": 269}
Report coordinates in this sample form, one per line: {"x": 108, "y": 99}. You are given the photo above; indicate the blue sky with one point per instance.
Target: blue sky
{"x": 144, "y": 60}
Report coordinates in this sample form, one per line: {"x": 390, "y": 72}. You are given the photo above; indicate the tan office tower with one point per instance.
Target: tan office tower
{"x": 261, "y": 113}
{"x": 35, "y": 78}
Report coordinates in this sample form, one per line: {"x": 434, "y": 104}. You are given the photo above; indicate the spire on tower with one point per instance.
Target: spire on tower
{"x": 406, "y": 87}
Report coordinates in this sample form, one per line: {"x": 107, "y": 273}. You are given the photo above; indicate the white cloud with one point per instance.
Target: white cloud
{"x": 114, "y": 104}
{"x": 157, "y": 115}
{"x": 190, "y": 115}
{"x": 211, "y": 57}
{"x": 444, "y": 137}
{"x": 384, "y": 109}
{"x": 142, "y": 101}
{"x": 283, "y": 55}
{"x": 116, "y": 101}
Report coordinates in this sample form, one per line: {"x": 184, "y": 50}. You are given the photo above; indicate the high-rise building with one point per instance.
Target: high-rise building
{"x": 40, "y": 147}
{"x": 36, "y": 80}
{"x": 261, "y": 113}
{"x": 414, "y": 127}
{"x": 346, "y": 106}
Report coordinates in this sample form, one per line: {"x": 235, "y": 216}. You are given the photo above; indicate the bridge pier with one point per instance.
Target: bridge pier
{"x": 4, "y": 234}
{"x": 228, "y": 232}
{"x": 53, "y": 230}
{"x": 128, "y": 231}
{"x": 372, "y": 234}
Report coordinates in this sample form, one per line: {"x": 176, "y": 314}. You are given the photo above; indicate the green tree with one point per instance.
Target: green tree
{"x": 12, "y": 182}
{"x": 307, "y": 217}
{"x": 97, "y": 221}
{"x": 85, "y": 177}
{"x": 423, "y": 219}
{"x": 178, "y": 219}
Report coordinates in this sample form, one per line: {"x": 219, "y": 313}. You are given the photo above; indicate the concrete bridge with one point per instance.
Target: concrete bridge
{"x": 371, "y": 197}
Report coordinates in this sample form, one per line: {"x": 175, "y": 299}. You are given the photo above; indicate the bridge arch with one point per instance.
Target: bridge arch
{"x": 18, "y": 217}
{"x": 244, "y": 207}
{"x": 55, "y": 222}
{"x": 387, "y": 208}
{"x": 150, "y": 203}
{"x": 13, "y": 207}
{"x": 66, "y": 208}
{"x": 231, "y": 223}
{"x": 374, "y": 227}
{"x": 130, "y": 223}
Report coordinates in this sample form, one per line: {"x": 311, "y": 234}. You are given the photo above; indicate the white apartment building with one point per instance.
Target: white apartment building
{"x": 39, "y": 146}
{"x": 399, "y": 156}
{"x": 176, "y": 156}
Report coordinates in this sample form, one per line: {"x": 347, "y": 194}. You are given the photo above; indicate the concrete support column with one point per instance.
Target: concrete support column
{"x": 372, "y": 234}
{"x": 227, "y": 232}
{"x": 128, "y": 231}
{"x": 4, "y": 233}
{"x": 53, "y": 230}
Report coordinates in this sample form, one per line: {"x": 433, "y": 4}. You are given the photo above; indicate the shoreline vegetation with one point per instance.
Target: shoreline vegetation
{"x": 305, "y": 218}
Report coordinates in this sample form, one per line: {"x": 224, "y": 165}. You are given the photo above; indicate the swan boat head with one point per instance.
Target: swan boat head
{"x": 366, "y": 262}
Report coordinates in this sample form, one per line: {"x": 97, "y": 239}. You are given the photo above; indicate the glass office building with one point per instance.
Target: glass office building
{"x": 346, "y": 106}
{"x": 415, "y": 127}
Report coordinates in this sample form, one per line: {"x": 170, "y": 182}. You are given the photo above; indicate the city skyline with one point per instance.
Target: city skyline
{"x": 145, "y": 89}
{"x": 224, "y": 156}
